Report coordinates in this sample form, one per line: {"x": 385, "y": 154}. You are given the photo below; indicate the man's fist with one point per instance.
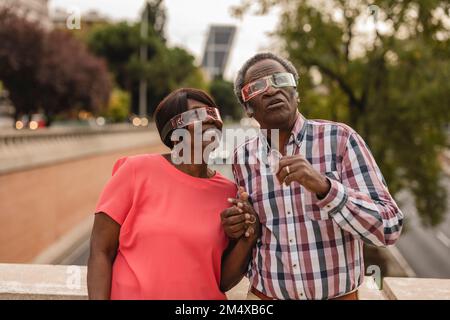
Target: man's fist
{"x": 297, "y": 168}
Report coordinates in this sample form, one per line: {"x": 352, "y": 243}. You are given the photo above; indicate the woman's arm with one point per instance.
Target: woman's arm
{"x": 104, "y": 244}
{"x": 241, "y": 224}
{"x": 235, "y": 261}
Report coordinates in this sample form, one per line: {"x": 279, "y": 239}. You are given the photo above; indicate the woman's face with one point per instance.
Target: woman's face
{"x": 199, "y": 132}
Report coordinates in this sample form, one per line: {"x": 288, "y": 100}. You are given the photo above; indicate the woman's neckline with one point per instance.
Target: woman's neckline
{"x": 178, "y": 171}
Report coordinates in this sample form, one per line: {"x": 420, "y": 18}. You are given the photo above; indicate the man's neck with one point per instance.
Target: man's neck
{"x": 283, "y": 135}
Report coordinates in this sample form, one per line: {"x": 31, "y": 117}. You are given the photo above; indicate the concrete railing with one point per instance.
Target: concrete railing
{"x": 20, "y": 150}
{"x": 31, "y": 281}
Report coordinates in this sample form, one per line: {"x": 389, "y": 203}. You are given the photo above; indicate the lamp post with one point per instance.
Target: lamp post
{"x": 143, "y": 60}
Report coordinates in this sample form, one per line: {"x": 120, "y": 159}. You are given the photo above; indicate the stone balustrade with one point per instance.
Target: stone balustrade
{"x": 55, "y": 282}
{"x": 21, "y": 150}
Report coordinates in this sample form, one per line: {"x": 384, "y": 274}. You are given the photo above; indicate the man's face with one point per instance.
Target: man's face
{"x": 275, "y": 108}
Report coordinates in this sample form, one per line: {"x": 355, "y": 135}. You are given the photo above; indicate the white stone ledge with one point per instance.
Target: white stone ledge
{"x": 26, "y": 150}
{"x": 49, "y": 282}
{"x": 58, "y": 282}
{"x": 416, "y": 289}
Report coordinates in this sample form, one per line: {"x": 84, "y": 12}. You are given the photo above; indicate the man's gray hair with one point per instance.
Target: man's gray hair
{"x": 239, "y": 82}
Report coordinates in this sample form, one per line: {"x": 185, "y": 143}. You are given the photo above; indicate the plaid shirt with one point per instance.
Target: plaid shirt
{"x": 311, "y": 248}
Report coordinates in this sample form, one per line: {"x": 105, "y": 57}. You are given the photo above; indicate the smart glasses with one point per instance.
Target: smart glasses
{"x": 276, "y": 80}
{"x": 189, "y": 117}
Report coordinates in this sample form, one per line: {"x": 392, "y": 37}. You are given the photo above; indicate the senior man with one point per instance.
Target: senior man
{"x": 325, "y": 199}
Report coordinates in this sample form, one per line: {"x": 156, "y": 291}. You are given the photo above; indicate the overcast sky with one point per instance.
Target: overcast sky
{"x": 187, "y": 24}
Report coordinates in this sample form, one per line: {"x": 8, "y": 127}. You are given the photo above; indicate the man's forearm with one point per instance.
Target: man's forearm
{"x": 375, "y": 221}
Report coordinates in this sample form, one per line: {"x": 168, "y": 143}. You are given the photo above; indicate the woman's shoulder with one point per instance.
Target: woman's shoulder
{"x": 142, "y": 158}
{"x": 137, "y": 161}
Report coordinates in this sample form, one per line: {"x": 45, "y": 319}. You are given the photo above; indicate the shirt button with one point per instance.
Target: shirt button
{"x": 295, "y": 266}
{"x": 289, "y": 212}
{"x": 301, "y": 294}
{"x": 328, "y": 206}
{"x": 291, "y": 240}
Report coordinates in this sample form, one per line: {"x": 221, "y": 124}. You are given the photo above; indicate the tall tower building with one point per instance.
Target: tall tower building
{"x": 217, "y": 49}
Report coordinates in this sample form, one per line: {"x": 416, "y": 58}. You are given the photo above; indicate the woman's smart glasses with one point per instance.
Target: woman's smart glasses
{"x": 191, "y": 116}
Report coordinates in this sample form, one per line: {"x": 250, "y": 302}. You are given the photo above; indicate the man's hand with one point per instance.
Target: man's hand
{"x": 240, "y": 219}
{"x": 297, "y": 168}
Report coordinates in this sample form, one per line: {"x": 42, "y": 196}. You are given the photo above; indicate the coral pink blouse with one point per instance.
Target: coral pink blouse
{"x": 171, "y": 239}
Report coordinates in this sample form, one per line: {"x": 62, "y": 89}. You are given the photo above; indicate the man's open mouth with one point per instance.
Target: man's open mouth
{"x": 275, "y": 104}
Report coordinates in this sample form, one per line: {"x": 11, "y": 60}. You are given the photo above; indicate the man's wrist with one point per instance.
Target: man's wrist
{"x": 325, "y": 189}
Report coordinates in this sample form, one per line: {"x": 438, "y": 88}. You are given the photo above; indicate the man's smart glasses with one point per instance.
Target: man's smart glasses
{"x": 276, "y": 80}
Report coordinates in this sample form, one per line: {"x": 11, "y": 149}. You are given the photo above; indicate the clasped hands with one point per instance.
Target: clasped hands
{"x": 240, "y": 219}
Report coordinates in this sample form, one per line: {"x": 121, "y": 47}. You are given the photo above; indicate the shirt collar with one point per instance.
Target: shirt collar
{"x": 299, "y": 129}
{"x": 297, "y": 132}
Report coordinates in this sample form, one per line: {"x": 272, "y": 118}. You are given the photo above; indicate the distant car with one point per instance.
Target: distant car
{"x": 37, "y": 121}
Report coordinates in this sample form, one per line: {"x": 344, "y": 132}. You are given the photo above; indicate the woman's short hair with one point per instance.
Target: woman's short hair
{"x": 176, "y": 103}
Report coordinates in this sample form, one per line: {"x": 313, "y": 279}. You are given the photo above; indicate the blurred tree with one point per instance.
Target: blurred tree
{"x": 223, "y": 93}
{"x": 170, "y": 69}
{"x": 82, "y": 81}
{"x": 20, "y": 53}
{"x": 382, "y": 66}
{"x": 48, "y": 71}
{"x": 119, "y": 105}
{"x": 117, "y": 43}
{"x": 166, "y": 68}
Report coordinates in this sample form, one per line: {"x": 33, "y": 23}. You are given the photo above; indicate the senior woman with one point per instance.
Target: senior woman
{"x": 157, "y": 232}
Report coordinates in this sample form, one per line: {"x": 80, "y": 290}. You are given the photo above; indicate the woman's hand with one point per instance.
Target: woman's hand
{"x": 242, "y": 223}
{"x": 241, "y": 219}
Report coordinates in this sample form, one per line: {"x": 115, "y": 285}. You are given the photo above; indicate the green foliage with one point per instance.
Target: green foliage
{"x": 119, "y": 105}
{"x": 196, "y": 79}
{"x": 117, "y": 43}
{"x": 389, "y": 81}
{"x": 166, "y": 68}
{"x": 223, "y": 94}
